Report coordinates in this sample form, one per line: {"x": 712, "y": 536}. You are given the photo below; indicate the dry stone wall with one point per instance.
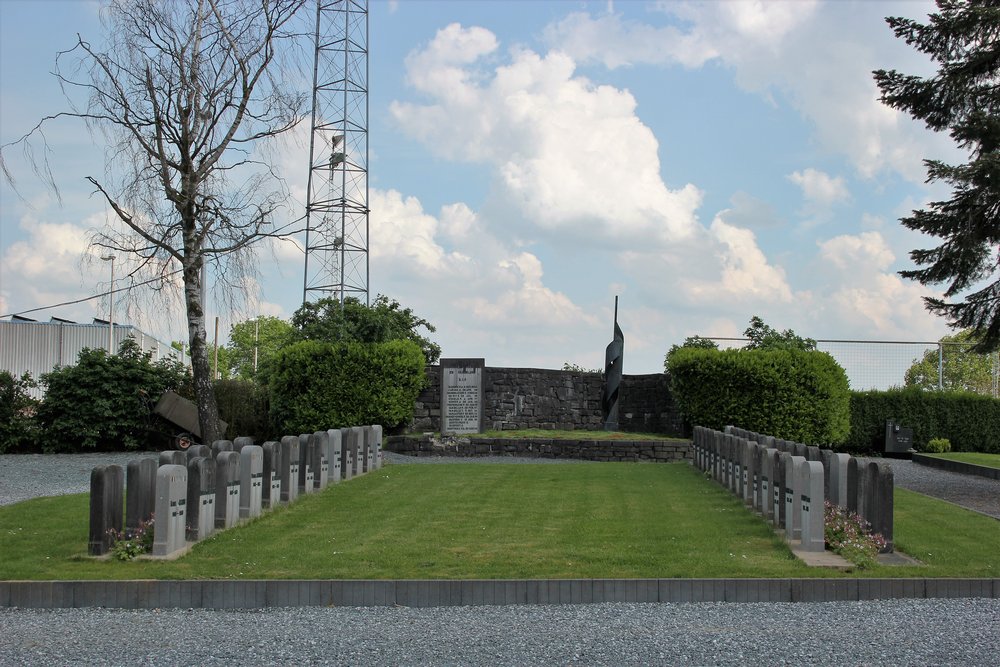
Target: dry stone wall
{"x": 663, "y": 451}
{"x": 522, "y": 398}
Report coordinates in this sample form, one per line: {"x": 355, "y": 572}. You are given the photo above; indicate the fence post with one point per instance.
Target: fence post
{"x": 940, "y": 366}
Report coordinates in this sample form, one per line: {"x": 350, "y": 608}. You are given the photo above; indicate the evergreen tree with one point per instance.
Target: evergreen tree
{"x": 963, "y": 38}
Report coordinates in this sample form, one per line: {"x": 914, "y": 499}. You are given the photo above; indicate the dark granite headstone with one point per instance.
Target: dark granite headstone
{"x": 107, "y": 485}
{"x": 307, "y": 473}
{"x": 321, "y": 476}
{"x": 271, "y": 470}
{"x": 289, "y": 468}
{"x": 140, "y": 492}
{"x": 200, "y": 498}
{"x": 195, "y": 451}
{"x": 853, "y": 485}
{"x": 174, "y": 457}
{"x": 227, "y": 489}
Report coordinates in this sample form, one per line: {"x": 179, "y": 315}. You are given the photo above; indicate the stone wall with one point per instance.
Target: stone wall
{"x": 663, "y": 451}
{"x": 521, "y": 398}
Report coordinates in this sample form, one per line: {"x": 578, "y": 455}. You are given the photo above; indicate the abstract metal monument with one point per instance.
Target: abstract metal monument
{"x": 612, "y": 376}
{"x": 336, "y": 253}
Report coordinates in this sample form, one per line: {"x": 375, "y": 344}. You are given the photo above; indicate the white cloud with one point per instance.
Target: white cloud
{"x": 850, "y": 252}
{"x": 820, "y": 188}
{"x": 818, "y": 55}
{"x": 570, "y": 155}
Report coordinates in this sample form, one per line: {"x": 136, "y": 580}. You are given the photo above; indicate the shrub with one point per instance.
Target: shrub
{"x": 969, "y": 419}
{"x": 245, "y": 407}
{"x": 937, "y": 446}
{"x": 126, "y": 545}
{"x": 18, "y": 428}
{"x": 850, "y": 536}
{"x": 792, "y": 394}
{"x": 316, "y": 385}
{"x": 106, "y": 401}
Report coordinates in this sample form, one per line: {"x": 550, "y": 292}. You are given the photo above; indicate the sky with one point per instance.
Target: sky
{"x": 531, "y": 161}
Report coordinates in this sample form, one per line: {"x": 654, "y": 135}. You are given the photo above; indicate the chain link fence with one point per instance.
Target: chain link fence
{"x": 928, "y": 364}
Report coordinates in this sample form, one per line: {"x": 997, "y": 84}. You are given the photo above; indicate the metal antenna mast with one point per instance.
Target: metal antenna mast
{"x": 336, "y": 262}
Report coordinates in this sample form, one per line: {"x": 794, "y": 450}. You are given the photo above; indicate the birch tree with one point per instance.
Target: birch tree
{"x": 188, "y": 95}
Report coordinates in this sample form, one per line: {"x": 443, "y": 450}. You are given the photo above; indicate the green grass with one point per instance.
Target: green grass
{"x": 570, "y": 435}
{"x": 499, "y": 521}
{"x": 975, "y": 458}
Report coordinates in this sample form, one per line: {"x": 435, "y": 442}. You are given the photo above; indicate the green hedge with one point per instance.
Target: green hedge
{"x": 970, "y": 421}
{"x": 315, "y": 385}
{"x": 790, "y": 394}
{"x": 245, "y": 408}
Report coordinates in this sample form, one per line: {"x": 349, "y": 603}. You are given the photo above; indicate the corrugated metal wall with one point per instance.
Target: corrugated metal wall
{"x": 38, "y": 347}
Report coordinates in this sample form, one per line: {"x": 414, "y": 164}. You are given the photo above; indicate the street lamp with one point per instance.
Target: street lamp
{"x": 111, "y": 306}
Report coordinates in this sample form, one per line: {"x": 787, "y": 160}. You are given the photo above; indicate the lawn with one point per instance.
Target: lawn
{"x": 975, "y": 458}
{"x": 604, "y": 520}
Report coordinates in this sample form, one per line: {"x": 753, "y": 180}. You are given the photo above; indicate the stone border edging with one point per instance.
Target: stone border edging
{"x": 957, "y": 466}
{"x": 257, "y": 594}
{"x": 666, "y": 450}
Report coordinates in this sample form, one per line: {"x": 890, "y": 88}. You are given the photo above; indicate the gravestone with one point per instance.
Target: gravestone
{"x": 347, "y": 460}
{"x": 793, "y": 498}
{"x": 813, "y": 453}
{"x": 140, "y": 492}
{"x": 800, "y": 450}
{"x": 174, "y": 457}
{"x": 322, "y": 476}
{"x": 826, "y": 458}
{"x": 778, "y": 489}
{"x": 251, "y": 481}
{"x": 747, "y": 455}
{"x": 271, "y": 471}
{"x": 838, "y": 478}
{"x": 853, "y": 483}
{"x": 200, "y": 498}
{"x": 227, "y": 489}
{"x": 767, "y": 485}
{"x": 220, "y": 446}
{"x": 810, "y": 482}
{"x": 754, "y": 475}
{"x": 366, "y": 448}
{"x": 738, "y": 465}
{"x": 241, "y": 442}
{"x": 334, "y": 452}
{"x": 881, "y": 480}
{"x": 171, "y": 510}
{"x": 107, "y": 485}
{"x": 195, "y": 451}
{"x": 377, "y": 435}
{"x": 356, "y": 438}
{"x": 731, "y": 463}
{"x": 307, "y": 472}
{"x": 289, "y": 468}
{"x": 462, "y": 396}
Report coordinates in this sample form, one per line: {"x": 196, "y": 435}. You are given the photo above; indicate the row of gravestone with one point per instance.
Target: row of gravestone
{"x": 195, "y": 492}
{"x": 788, "y": 482}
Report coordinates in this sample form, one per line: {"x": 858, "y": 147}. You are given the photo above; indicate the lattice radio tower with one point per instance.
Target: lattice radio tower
{"x": 336, "y": 262}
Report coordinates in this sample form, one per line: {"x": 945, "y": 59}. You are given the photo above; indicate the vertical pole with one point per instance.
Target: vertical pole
{"x": 256, "y": 339}
{"x": 215, "y": 370}
{"x": 940, "y": 366}
{"x": 111, "y": 310}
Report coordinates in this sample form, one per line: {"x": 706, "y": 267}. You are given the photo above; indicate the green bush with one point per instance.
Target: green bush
{"x": 245, "y": 408}
{"x": 106, "y": 401}
{"x": 316, "y": 385}
{"x": 937, "y": 446}
{"x": 792, "y": 394}
{"x": 972, "y": 421}
{"x": 18, "y": 429}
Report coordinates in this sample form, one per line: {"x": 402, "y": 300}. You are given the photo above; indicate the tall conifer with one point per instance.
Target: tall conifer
{"x": 963, "y": 38}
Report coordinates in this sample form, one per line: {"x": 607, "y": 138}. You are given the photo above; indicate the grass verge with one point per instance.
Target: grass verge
{"x": 498, "y": 521}
{"x": 975, "y": 458}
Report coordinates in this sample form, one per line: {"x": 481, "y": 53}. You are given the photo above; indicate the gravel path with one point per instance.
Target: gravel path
{"x": 899, "y": 632}
{"x": 24, "y": 476}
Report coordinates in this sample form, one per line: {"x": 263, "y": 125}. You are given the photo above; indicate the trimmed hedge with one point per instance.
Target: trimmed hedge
{"x": 970, "y": 421}
{"x": 315, "y": 385}
{"x": 245, "y": 408}
{"x": 791, "y": 394}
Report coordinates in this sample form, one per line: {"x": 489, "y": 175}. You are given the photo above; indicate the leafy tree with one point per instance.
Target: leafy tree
{"x": 577, "y": 368}
{"x": 18, "y": 429}
{"x": 106, "y": 401}
{"x": 696, "y": 342}
{"x": 188, "y": 96}
{"x": 763, "y": 337}
{"x": 964, "y": 370}
{"x": 382, "y": 321}
{"x": 964, "y": 98}
{"x": 265, "y": 335}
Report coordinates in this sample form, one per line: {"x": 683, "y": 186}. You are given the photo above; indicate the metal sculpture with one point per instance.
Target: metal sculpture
{"x": 612, "y": 376}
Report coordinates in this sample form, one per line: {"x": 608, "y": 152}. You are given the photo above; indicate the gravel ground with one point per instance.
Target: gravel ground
{"x": 24, "y": 476}
{"x": 976, "y": 493}
{"x": 900, "y": 632}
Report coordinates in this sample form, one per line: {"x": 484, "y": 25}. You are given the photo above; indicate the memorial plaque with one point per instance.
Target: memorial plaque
{"x": 462, "y": 396}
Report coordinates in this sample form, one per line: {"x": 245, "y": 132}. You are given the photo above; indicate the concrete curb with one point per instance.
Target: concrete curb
{"x": 957, "y": 466}
{"x": 257, "y": 594}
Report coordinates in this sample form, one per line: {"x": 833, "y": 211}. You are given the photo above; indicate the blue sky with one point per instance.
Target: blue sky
{"x": 531, "y": 160}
